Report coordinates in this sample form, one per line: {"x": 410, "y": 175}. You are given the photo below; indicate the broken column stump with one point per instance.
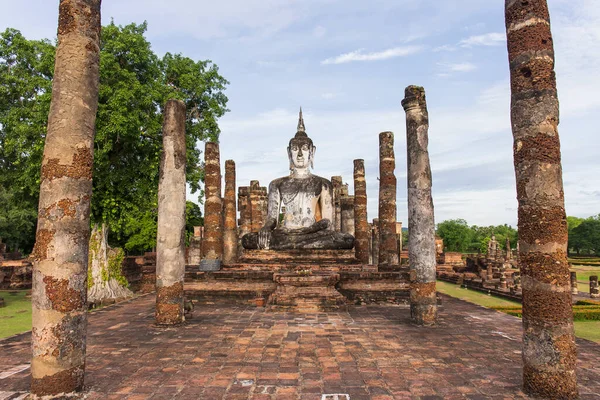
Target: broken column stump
{"x": 421, "y": 240}
{"x": 60, "y": 256}
{"x": 549, "y": 352}
{"x": 388, "y": 244}
{"x": 574, "y": 288}
{"x": 213, "y": 208}
{"x": 230, "y": 236}
{"x": 361, "y": 226}
{"x": 170, "y": 244}
{"x": 594, "y": 289}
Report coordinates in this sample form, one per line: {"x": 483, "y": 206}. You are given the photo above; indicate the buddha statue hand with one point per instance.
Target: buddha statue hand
{"x": 264, "y": 238}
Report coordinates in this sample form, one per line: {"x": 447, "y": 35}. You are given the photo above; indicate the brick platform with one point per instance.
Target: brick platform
{"x": 233, "y": 352}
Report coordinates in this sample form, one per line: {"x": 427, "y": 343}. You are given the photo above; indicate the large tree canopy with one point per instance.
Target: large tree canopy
{"x": 134, "y": 85}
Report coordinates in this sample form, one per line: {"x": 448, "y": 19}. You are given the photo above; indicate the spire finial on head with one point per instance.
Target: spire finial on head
{"x": 301, "y": 127}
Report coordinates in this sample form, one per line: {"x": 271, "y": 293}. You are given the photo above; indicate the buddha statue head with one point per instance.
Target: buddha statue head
{"x": 301, "y": 150}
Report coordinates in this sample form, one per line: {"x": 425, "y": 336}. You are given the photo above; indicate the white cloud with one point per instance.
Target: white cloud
{"x": 488, "y": 39}
{"x": 359, "y": 55}
{"x": 458, "y": 67}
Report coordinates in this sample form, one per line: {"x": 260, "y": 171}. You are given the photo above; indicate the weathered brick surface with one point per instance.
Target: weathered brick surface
{"x": 371, "y": 352}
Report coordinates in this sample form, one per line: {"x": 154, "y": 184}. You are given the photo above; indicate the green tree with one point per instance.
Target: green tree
{"x": 134, "y": 85}
{"x": 456, "y": 234}
{"x": 26, "y": 69}
{"x": 587, "y": 235}
{"x": 574, "y": 239}
{"x": 17, "y": 223}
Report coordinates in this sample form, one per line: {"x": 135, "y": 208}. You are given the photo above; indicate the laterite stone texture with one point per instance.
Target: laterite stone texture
{"x": 549, "y": 352}
{"x": 246, "y": 352}
{"x": 388, "y": 245}
{"x": 213, "y": 206}
{"x": 361, "y": 226}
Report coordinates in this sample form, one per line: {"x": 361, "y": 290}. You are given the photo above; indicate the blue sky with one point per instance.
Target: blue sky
{"x": 347, "y": 64}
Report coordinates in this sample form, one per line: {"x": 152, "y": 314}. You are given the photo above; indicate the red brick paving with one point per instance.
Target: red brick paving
{"x": 237, "y": 352}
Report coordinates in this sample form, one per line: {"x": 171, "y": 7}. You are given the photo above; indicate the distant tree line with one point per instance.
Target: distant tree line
{"x": 460, "y": 237}
{"x": 584, "y": 235}
{"x": 135, "y": 83}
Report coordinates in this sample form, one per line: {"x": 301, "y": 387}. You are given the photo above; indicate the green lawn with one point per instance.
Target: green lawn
{"x": 589, "y": 330}
{"x": 473, "y": 296}
{"x": 15, "y": 317}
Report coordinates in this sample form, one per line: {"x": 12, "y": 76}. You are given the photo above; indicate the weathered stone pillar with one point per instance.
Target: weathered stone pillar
{"x": 245, "y": 222}
{"x": 549, "y": 352}
{"x": 60, "y": 256}
{"x": 194, "y": 254}
{"x": 421, "y": 241}
{"x": 170, "y": 244}
{"x": 375, "y": 241}
{"x": 361, "y": 226}
{"x": 574, "y": 288}
{"x": 388, "y": 245}
{"x": 213, "y": 207}
{"x": 347, "y": 206}
{"x": 594, "y": 289}
{"x": 337, "y": 183}
{"x": 230, "y": 238}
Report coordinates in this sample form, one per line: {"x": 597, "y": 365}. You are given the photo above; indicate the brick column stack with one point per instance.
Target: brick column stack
{"x": 388, "y": 244}
{"x": 213, "y": 210}
{"x": 361, "y": 226}
{"x": 230, "y": 236}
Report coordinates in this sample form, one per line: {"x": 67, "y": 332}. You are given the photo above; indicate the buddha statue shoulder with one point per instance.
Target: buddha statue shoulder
{"x": 306, "y": 203}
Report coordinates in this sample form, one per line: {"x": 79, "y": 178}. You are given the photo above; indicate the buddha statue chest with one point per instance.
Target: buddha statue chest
{"x": 300, "y": 197}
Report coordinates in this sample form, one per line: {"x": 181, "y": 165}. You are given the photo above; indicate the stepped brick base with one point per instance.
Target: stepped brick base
{"x": 298, "y": 256}
{"x": 315, "y": 280}
{"x": 307, "y": 293}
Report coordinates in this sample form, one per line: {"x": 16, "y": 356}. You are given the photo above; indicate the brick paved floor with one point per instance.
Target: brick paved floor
{"x": 235, "y": 352}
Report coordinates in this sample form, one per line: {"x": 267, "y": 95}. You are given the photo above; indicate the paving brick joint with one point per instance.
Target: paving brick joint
{"x": 247, "y": 352}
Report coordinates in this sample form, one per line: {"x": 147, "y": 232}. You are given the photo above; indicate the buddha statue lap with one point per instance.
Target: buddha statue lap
{"x": 306, "y": 202}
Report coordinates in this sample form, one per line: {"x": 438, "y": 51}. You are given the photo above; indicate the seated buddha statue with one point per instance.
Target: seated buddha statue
{"x": 306, "y": 203}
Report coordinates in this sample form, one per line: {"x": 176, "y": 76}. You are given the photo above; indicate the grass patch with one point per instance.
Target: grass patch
{"x": 473, "y": 296}
{"x": 15, "y": 317}
{"x": 589, "y": 330}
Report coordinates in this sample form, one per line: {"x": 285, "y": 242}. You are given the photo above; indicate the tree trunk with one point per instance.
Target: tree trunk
{"x": 61, "y": 251}
{"x": 107, "y": 283}
{"x": 549, "y": 354}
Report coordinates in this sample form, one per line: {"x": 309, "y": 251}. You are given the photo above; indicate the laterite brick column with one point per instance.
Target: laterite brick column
{"x": 549, "y": 353}
{"x": 337, "y": 183}
{"x": 361, "y": 226}
{"x": 230, "y": 237}
{"x": 347, "y": 206}
{"x": 421, "y": 240}
{"x": 60, "y": 256}
{"x": 258, "y": 205}
{"x": 388, "y": 244}
{"x": 213, "y": 207}
{"x": 375, "y": 241}
{"x": 170, "y": 244}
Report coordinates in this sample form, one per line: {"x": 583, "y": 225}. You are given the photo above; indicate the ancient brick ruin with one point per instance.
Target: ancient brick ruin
{"x": 305, "y": 244}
